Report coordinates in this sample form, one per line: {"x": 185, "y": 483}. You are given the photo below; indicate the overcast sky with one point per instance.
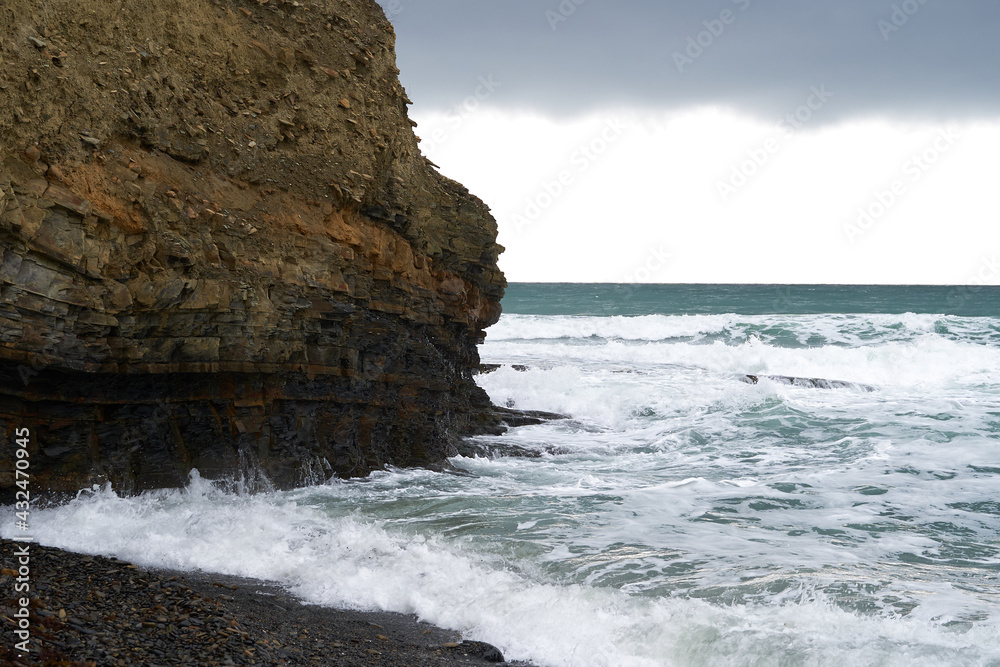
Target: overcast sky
{"x": 722, "y": 141}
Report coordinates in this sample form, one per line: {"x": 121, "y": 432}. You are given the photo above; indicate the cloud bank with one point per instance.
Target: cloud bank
{"x": 926, "y": 59}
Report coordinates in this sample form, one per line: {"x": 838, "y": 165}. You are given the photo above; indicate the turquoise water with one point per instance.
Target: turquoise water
{"x": 605, "y": 299}
{"x": 679, "y": 515}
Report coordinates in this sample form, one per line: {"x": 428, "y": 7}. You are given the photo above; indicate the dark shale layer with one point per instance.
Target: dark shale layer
{"x": 223, "y": 250}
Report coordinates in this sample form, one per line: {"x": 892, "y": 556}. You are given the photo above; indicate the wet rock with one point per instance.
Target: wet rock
{"x": 483, "y": 369}
{"x": 513, "y": 418}
{"x": 487, "y": 652}
{"x": 813, "y": 383}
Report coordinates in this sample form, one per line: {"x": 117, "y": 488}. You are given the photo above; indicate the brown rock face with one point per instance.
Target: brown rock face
{"x": 222, "y": 249}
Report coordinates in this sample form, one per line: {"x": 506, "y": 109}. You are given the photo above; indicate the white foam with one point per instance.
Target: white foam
{"x": 642, "y": 327}
{"x": 334, "y": 560}
{"x": 927, "y": 361}
{"x": 806, "y": 329}
{"x": 685, "y": 518}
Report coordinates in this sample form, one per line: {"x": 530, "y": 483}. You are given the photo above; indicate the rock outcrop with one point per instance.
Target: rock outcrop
{"x": 812, "y": 383}
{"x": 223, "y": 250}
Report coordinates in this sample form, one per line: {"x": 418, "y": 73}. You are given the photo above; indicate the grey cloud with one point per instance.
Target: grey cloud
{"x": 938, "y": 58}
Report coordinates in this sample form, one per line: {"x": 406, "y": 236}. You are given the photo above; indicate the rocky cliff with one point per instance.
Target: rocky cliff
{"x": 223, "y": 250}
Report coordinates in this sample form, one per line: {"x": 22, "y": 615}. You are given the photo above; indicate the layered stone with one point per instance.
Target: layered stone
{"x": 210, "y": 275}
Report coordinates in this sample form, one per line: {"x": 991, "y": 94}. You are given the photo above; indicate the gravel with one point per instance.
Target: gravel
{"x": 91, "y": 610}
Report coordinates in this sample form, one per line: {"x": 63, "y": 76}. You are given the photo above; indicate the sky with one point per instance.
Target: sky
{"x": 719, "y": 141}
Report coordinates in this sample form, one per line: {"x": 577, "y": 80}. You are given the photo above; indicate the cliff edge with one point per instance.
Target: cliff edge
{"x": 223, "y": 250}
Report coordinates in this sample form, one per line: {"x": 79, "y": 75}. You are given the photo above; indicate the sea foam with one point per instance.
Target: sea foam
{"x": 344, "y": 561}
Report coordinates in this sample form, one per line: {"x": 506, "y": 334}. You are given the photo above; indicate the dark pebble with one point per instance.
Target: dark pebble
{"x": 148, "y": 617}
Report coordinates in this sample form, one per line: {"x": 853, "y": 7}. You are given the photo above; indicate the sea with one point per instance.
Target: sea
{"x": 679, "y": 514}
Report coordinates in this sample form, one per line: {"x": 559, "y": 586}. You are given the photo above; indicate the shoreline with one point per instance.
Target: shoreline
{"x": 95, "y": 610}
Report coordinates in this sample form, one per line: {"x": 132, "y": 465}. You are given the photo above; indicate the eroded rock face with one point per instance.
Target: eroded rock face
{"x": 222, "y": 248}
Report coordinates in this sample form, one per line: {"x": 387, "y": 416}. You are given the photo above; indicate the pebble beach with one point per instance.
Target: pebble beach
{"x": 90, "y": 610}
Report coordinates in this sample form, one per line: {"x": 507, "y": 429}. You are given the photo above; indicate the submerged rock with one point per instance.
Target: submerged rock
{"x": 815, "y": 383}
{"x": 485, "y": 369}
{"x": 229, "y": 269}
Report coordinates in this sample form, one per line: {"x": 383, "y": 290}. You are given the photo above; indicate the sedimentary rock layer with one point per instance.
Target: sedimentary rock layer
{"x": 222, "y": 248}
